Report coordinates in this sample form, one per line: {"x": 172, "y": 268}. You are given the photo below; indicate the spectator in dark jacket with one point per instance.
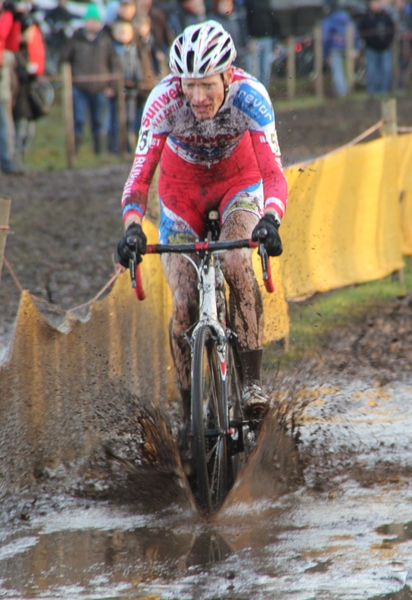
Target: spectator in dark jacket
{"x": 377, "y": 29}
{"x": 225, "y": 13}
{"x": 263, "y": 28}
{"x": 58, "y": 27}
{"x": 90, "y": 51}
{"x": 123, "y": 36}
{"x": 188, "y": 12}
{"x": 334, "y": 27}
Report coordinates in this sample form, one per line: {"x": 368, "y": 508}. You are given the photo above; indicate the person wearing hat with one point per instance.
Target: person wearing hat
{"x": 90, "y": 52}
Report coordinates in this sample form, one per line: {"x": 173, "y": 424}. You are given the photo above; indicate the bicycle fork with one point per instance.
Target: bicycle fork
{"x": 209, "y": 316}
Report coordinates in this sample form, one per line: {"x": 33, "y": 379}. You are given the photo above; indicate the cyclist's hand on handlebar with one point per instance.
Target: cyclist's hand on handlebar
{"x": 133, "y": 241}
{"x": 266, "y": 231}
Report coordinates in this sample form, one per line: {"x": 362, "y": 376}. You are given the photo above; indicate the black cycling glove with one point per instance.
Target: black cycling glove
{"x": 134, "y": 240}
{"x": 267, "y": 231}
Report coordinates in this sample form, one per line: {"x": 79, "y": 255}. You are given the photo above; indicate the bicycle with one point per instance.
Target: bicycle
{"x": 219, "y": 433}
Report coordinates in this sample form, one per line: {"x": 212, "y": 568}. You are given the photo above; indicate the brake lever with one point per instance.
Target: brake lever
{"x": 132, "y": 240}
{"x": 264, "y": 257}
{"x": 263, "y": 252}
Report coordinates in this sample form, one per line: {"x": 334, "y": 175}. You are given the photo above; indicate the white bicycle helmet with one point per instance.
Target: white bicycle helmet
{"x": 202, "y": 50}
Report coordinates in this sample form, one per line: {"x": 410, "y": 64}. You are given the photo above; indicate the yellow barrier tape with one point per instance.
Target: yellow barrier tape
{"x": 342, "y": 225}
{"x": 405, "y": 190}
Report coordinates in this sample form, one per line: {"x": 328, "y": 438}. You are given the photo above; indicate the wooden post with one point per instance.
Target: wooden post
{"x": 317, "y": 42}
{"x": 350, "y": 56}
{"x": 68, "y": 113}
{"x": 4, "y": 226}
{"x": 291, "y": 68}
{"x": 389, "y": 117}
{"x": 121, "y": 115}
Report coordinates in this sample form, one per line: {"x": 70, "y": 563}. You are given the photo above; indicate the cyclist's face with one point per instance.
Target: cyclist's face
{"x": 206, "y": 95}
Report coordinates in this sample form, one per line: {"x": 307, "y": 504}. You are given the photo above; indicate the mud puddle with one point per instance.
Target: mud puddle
{"x": 305, "y": 545}
{"x": 344, "y": 532}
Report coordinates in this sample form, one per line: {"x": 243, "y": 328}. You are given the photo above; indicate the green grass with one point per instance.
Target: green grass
{"x": 48, "y": 150}
{"x": 313, "y": 320}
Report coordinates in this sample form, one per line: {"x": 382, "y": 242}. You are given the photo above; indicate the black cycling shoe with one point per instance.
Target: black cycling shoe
{"x": 255, "y": 403}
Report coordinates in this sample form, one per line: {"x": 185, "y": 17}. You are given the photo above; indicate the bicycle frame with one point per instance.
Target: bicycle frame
{"x": 208, "y": 315}
{"x": 223, "y": 437}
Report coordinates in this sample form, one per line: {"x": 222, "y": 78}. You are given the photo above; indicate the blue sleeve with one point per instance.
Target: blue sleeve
{"x": 254, "y": 102}
{"x": 326, "y": 36}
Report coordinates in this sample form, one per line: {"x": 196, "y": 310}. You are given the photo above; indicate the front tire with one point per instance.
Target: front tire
{"x": 208, "y": 423}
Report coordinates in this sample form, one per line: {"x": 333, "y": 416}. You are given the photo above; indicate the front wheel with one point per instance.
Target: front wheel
{"x": 208, "y": 422}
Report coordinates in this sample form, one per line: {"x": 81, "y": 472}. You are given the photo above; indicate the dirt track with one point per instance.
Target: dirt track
{"x": 64, "y": 231}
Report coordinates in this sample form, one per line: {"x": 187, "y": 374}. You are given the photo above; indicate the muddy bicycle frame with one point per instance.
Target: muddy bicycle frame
{"x": 216, "y": 439}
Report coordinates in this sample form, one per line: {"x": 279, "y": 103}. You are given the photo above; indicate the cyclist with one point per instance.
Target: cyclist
{"x": 212, "y": 128}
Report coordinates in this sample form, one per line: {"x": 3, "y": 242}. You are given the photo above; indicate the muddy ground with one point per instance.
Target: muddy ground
{"x": 65, "y": 226}
{"x": 322, "y": 510}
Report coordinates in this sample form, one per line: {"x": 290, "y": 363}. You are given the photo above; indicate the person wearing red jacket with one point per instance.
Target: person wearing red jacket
{"x": 31, "y": 60}
{"x": 9, "y": 41}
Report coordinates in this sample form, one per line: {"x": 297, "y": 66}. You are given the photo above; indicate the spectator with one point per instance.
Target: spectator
{"x": 263, "y": 28}
{"x": 145, "y": 45}
{"x": 58, "y": 29}
{"x": 161, "y": 35}
{"x": 334, "y": 27}
{"x": 31, "y": 59}
{"x": 188, "y": 12}
{"x": 124, "y": 10}
{"x": 225, "y": 13}
{"x": 401, "y": 13}
{"x": 377, "y": 29}
{"x": 90, "y": 51}
{"x": 7, "y": 64}
{"x": 123, "y": 36}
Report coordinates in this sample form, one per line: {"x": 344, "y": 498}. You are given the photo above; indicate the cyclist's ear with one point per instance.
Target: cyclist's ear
{"x": 228, "y": 76}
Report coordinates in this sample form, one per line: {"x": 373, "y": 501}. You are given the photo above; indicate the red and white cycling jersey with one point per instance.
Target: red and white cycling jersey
{"x": 241, "y": 138}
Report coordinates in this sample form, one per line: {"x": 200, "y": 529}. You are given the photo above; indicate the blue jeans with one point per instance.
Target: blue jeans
{"x": 262, "y": 59}
{"x": 6, "y": 158}
{"x": 113, "y": 122}
{"x": 337, "y": 68}
{"x": 84, "y": 102}
{"x": 378, "y": 70}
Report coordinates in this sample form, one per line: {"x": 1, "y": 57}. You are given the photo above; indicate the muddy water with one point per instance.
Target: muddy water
{"x": 343, "y": 532}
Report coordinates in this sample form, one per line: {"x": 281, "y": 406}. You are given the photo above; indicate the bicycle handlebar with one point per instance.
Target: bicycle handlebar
{"x": 201, "y": 247}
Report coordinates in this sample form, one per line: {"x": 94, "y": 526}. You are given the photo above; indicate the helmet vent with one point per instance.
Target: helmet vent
{"x": 190, "y": 59}
{"x": 224, "y": 58}
{"x": 204, "y": 67}
{"x": 209, "y": 50}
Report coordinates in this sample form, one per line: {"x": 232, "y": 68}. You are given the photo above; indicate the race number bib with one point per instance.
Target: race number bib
{"x": 272, "y": 140}
{"x": 144, "y": 141}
